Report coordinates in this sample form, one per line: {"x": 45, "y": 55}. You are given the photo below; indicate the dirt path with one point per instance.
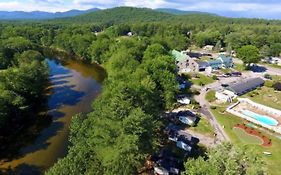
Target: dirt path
{"x": 205, "y": 140}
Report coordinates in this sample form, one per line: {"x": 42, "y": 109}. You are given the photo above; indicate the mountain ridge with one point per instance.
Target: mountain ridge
{"x": 182, "y": 12}
{"x": 41, "y": 15}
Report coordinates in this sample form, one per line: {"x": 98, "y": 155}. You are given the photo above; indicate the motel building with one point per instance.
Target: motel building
{"x": 234, "y": 90}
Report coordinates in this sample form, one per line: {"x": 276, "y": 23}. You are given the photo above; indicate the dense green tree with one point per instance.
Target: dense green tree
{"x": 275, "y": 49}
{"x": 17, "y": 44}
{"x": 236, "y": 40}
{"x": 99, "y": 47}
{"x": 207, "y": 38}
{"x": 27, "y": 57}
{"x": 226, "y": 159}
{"x": 249, "y": 54}
{"x": 153, "y": 51}
{"x": 265, "y": 51}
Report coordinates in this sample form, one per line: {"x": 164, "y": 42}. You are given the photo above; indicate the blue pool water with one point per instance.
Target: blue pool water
{"x": 261, "y": 118}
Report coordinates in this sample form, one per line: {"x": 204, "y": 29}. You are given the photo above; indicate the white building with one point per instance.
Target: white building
{"x": 208, "y": 47}
{"x": 225, "y": 96}
{"x": 275, "y": 60}
{"x": 184, "y": 101}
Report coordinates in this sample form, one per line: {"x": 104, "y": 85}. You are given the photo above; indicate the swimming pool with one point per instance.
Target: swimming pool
{"x": 261, "y": 118}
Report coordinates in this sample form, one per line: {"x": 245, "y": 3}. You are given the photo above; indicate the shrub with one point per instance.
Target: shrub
{"x": 214, "y": 77}
{"x": 277, "y": 86}
{"x": 213, "y": 107}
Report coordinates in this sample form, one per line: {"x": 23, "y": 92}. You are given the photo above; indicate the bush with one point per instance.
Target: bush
{"x": 213, "y": 107}
{"x": 214, "y": 77}
{"x": 277, "y": 86}
{"x": 267, "y": 76}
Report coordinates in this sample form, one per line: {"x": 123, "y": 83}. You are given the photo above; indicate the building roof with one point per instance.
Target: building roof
{"x": 243, "y": 87}
{"x": 179, "y": 56}
{"x": 215, "y": 63}
{"x": 226, "y": 60}
{"x": 202, "y": 63}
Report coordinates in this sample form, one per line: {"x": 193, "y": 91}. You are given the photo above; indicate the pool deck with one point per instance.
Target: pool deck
{"x": 247, "y": 104}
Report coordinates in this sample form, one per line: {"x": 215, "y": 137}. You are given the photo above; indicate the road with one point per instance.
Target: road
{"x": 271, "y": 70}
{"x": 205, "y": 110}
{"x": 263, "y": 69}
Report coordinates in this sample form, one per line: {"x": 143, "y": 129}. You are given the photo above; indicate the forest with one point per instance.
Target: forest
{"x": 124, "y": 126}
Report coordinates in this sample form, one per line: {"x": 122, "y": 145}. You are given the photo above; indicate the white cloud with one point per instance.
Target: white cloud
{"x": 147, "y": 3}
{"x": 32, "y": 5}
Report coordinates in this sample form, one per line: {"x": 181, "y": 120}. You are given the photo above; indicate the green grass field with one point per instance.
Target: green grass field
{"x": 203, "y": 127}
{"x": 266, "y": 96}
{"x": 247, "y": 138}
{"x": 272, "y": 162}
{"x": 211, "y": 96}
{"x": 202, "y": 80}
{"x": 240, "y": 67}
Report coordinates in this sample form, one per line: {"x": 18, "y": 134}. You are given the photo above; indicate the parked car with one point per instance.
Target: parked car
{"x": 173, "y": 135}
{"x": 168, "y": 164}
{"x": 227, "y": 75}
{"x": 236, "y": 74}
{"x": 189, "y": 120}
{"x": 267, "y": 76}
{"x": 224, "y": 85}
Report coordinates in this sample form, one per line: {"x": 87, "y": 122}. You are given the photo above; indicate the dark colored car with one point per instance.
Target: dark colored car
{"x": 238, "y": 74}
{"x": 224, "y": 85}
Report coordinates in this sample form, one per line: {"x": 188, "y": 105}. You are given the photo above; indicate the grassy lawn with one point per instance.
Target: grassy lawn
{"x": 211, "y": 96}
{"x": 240, "y": 67}
{"x": 247, "y": 138}
{"x": 202, "y": 80}
{"x": 203, "y": 127}
{"x": 273, "y": 162}
{"x": 226, "y": 70}
{"x": 276, "y": 78}
{"x": 266, "y": 96}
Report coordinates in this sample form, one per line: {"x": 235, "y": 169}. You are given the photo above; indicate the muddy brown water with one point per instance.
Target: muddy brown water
{"x": 74, "y": 86}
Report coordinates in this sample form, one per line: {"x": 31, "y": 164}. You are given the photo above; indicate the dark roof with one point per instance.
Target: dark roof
{"x": 188, "y": 139}
{"x": 243, "y": 87}
{"x": 202, "y": 63}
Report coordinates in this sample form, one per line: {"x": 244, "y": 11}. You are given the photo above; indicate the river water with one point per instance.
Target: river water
{"x": 74, "y": 85}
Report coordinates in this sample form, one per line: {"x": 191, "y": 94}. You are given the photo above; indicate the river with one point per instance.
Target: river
{"x": 74, "y": 85}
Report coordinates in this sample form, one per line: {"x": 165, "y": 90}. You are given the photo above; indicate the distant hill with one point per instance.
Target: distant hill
{"x": 120, "y": 15}
{"x": 181, "y": 12}
{"x": 39, "y": 15}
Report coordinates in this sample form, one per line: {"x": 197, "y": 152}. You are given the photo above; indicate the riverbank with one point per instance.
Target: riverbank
{"x": 74, "y": 85}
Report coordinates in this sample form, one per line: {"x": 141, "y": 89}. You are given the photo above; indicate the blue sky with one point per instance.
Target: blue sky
{"x": 232, "y": 8}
